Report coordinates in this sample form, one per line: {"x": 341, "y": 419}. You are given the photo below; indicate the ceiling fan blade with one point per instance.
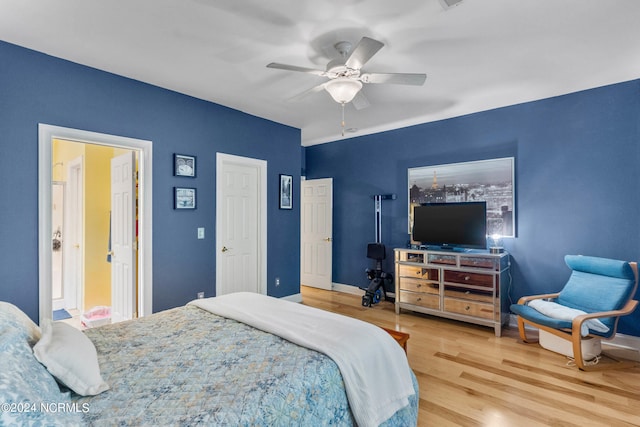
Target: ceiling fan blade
{"x": 296, "y": 68}
{"x": 363, "y": 52}
{"x": 360, "y": 102}
{"x": 394, "y": 78}
{"x": 299, "y": 96}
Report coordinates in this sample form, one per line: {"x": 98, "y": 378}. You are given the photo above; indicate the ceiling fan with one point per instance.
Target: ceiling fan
{"x": 346, "y": 76}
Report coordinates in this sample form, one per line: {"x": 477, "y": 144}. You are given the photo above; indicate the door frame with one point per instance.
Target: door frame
{"x": 221, "y": 160}
{"x": 74, "y": 231}
{"x": 60, "y": 302}
{"x": 46, "y": 134}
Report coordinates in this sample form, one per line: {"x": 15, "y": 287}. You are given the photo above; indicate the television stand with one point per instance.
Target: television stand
{"x": 466, "y": 286}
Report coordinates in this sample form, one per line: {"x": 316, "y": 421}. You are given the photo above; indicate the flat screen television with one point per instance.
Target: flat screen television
{"x": 451, "y": 225}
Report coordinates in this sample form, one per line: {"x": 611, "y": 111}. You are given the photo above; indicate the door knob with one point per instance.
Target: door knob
{"x": 225, "y": 249}
{"x": 328, "y": 239}
{"x": 111, "y": 254}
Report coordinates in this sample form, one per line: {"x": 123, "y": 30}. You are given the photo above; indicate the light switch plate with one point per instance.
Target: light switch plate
{"x": 200, "y": 232}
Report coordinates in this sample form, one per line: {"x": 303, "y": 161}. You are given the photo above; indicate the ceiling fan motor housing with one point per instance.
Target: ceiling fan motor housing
{"x": 336, "y": 68}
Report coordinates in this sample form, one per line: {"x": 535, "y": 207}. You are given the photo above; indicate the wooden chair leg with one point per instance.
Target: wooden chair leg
{"x": 522, "y": 331}
{"x": 576, "y": 343}
{"x": 608, "y": 361}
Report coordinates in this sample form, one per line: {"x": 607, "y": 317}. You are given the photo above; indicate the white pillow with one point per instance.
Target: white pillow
{"x": 12, "y": 316}
{"x": 71, "y": 357}
{"x": 558, "y": 311}
{"x": 24, "y": 381}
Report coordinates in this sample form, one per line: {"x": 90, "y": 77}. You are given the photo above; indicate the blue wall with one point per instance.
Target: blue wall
{"x": 36, "y": 88}
{"x": 576, "y": 178}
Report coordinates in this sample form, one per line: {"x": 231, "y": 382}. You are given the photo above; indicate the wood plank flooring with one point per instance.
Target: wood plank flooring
{"x": 468, "y": 377}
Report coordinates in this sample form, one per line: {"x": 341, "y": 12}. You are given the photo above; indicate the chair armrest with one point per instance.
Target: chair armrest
{"x": 576, "y": 324}
{"x": 524, "y": 300}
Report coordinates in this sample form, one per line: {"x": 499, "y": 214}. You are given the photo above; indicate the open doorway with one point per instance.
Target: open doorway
{"x": 67, "y": 159}
{"x": 87, "y": 275}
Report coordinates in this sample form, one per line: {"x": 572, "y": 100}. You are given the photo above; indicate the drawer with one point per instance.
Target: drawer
{"x": 441, "y": 259}
{"x": 480, "y": 262}
{"x": 469, "y": 308}
{"x": 418, "y": 285}
{"x": 410, "y": 271}
{"x": 421, "y": 299}
{"x": 469, "y": 294}
{"x": 475, "y": 279}
{"x": 419, "y": 272}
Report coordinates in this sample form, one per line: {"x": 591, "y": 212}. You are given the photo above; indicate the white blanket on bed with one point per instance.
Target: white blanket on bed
{"x": 374, "y": 367}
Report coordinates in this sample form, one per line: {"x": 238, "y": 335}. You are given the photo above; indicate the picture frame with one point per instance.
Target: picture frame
{"x": 484, "y": 180}
{"x": 184, "y": 198}
{"x": 286, "y": 191}
{"x": 184, "y": 165}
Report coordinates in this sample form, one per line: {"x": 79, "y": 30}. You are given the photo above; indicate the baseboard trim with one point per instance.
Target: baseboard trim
{"x": 347, "y": 289}
{"x": 354, "y": 290}
{"x": 293, "y": 298}
{"x": 628, "y": 342}
{"x": 623, "y": 341}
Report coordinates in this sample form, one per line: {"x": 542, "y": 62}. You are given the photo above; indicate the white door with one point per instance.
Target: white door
{"x": 240, "y": 225}
{"x": 122, "y": 253}
{"x": 316, "y": 234}
{"x": 73, "y": 241}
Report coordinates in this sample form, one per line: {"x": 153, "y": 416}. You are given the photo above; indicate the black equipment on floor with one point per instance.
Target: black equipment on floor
{"x": 376, "y": 251}
{"x": 377, "y": 278}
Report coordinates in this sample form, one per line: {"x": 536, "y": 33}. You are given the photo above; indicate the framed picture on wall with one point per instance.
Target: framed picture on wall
{"x": 286, "y": 192}
{"x": 184, "y": 165}
{"x": 184, "y": 198}
{"x": 490, "y": 181}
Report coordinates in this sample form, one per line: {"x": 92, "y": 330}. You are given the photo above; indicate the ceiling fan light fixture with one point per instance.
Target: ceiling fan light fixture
{"x": 343, "y": 89}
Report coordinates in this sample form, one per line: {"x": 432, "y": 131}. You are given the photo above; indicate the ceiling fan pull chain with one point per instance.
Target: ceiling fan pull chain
{"x": 342, "y": 118}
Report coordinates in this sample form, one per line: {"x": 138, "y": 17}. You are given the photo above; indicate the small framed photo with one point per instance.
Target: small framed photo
{"x": 184, "y": 198}
{"x": 184, "y": 165}
{"x": 286, "y": 192}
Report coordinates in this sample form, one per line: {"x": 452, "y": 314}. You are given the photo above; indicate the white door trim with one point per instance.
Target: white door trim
{"x": 261, "y": 165}
{"x": 46, "y": 134}
{"x": 59, "y": 199}
{"x": 74, "y": 228}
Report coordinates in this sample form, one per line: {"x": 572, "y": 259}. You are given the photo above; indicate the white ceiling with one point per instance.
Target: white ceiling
{"x": 478, "y": 55}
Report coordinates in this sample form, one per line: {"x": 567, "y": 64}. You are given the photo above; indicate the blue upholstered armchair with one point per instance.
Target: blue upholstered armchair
{"x": 598, "y": 292}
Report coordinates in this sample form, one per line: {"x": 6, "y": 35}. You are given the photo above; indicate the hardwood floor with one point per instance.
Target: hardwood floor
{"x": 468, "y": 377}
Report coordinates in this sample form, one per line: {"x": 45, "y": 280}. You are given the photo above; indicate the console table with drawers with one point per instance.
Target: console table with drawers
{"x": 466, "y": 286}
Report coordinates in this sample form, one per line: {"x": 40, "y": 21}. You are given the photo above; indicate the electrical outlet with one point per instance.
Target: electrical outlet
{"x": 277, "y": 281}
{"x": 200, "y": 295}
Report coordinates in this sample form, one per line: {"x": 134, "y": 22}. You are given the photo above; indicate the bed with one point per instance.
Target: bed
{"x": 190, "y": 365}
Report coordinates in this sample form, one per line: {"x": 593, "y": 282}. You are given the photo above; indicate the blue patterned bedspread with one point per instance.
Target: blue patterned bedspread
{"x": 186, "y": 366}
